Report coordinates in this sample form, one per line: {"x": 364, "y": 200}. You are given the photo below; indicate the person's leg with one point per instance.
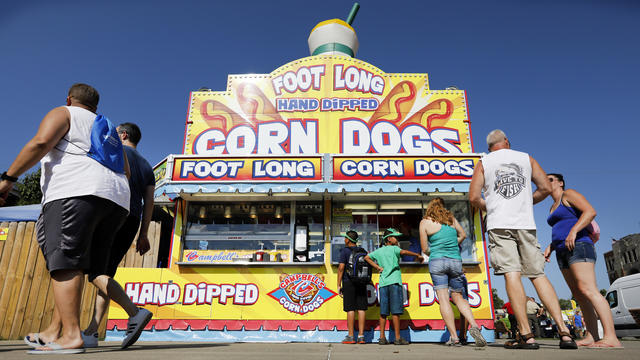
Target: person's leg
{"x": 350, "y": 320}
{"x": 518, "y": 299}
{"x": 67, "y": 293}
{"x": 115, "y": 292}
{"x": 464, "y": 308}
{"x": 447, "y": 313}
{"x": 547, "y": 295}
{"x": 52, "y": 332}
{"x": 100, "y": 308}
{"x": 396, "y": 326}
{"x": 584, "y": 274}
{"x": 383, "y": 325}
{"x": 361, "y": 318}
{"x": 587, "y": 310}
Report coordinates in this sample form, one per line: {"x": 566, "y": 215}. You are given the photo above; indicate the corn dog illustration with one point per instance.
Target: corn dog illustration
{"x": 396, "y": 104}
{"x": 436, "y": 113}
{"x": 219, "y": 116}
{"x": 255, "y": 104}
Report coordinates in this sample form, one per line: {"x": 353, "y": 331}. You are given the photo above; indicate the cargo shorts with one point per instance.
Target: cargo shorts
{"x": 516, "y": 250}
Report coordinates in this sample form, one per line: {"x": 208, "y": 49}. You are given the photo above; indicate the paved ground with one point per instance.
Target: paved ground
{"x": 315, "y": 351}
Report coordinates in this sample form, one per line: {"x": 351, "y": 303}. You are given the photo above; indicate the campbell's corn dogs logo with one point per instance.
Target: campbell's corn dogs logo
{"x": 509, "y": 181}
{"x": 328, "y": 105}
{"x": 4, "y": 232}
{"x": 302, "y": 293}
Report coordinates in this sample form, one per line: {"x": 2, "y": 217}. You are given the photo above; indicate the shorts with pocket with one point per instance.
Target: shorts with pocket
{"x": 391, "y": 300}
{"x": 76, "y": 233}
{"x": 582, "y": 252}
{"x": 516, "y": 250}
{"x": 446, "y": 273}
{"x": 354, "y": 296}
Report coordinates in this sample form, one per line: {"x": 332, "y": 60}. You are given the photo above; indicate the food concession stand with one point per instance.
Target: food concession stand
{"x": 274, "y": 169}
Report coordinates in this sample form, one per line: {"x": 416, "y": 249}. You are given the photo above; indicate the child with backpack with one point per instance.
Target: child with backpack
{"x": 353, "y": 288}
{"x": 390, "y": 289}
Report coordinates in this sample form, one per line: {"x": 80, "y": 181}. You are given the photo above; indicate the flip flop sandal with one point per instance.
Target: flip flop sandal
{"x": 54, "y": 348}
{"x": 35, "y": 341}
{"x": 521, "y": 343}
{"x": 567, "y": 344}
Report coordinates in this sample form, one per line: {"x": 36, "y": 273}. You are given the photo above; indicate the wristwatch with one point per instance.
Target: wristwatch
{"x": 4, "y": 176}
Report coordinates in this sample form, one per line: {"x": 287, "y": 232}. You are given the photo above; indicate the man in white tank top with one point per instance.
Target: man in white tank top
{"x": 83, "y": 205}
{"x": 505, "y": 177}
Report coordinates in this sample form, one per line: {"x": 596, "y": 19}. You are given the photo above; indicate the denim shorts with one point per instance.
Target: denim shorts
{"x": 391, "y": 300}
{"x": 447, "y": 273}
{"x": 582, "y": 252}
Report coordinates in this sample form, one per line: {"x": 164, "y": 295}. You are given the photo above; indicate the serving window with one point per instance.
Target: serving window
{"x": 371, "y": 218}
{"x": 226, "y": 232}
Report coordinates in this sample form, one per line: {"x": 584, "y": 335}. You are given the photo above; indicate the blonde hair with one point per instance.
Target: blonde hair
{"x": 437, "y": 212}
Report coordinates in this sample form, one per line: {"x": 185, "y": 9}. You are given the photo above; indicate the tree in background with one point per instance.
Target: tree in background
{"x": 603, "y": 292}
{"x": 565, "y": 304}
{"x": 497, "y": 302}
{"x": 29, "y": 189}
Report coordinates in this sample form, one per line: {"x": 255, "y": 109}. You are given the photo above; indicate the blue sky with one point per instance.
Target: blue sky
{"x": 559, "y": 77}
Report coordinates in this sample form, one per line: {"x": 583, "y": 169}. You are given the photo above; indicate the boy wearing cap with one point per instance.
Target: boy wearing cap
{"x": 390, "y": 284}
{"x": 354, "y": 295}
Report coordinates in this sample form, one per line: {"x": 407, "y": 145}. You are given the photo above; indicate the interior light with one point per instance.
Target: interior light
{"x": 203, "y": 212}
{"x": 400, "y": 205}
{"x": 381, "y": 194}
{"x": 252, "y": 212}
{"x": 378, "y": 213}
{"x": 450, "y": 193}
{"x": 278, "y": 214}
{"x": 227, "y": 212}
{"x": 291, "y": 194}
{"x": 360, "y": 206}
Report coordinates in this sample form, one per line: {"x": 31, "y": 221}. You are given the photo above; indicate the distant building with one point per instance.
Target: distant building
{"x": 624, "y": 257}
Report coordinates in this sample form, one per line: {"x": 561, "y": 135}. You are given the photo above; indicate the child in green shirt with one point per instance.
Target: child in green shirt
{"x": 390, "y": 284}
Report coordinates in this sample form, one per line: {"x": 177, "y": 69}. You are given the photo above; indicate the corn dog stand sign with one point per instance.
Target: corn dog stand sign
{"x": 274, "y": 169}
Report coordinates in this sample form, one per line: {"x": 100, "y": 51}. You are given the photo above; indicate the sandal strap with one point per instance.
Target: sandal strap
{"x": 527, "y": 336}
{"x": 564, "y": 333}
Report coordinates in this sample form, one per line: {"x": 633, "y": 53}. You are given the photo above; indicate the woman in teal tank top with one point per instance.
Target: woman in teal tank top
{"x": 441, "y": 232}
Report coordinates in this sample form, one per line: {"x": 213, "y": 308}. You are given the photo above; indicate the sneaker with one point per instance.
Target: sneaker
{"x": 383, "y": 341}
{"x": 400, "y": 341}
{"x": 135, "y": 325}
{"x": 477, "y": 336}
{"x": 361, "y": 340}
{"x": 90, "y": 341}
{"x": 453, "y": 342}
{"x": 348, "y": 340}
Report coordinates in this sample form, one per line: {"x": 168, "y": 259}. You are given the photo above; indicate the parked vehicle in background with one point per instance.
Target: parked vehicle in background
{"x": 624, "y": 300}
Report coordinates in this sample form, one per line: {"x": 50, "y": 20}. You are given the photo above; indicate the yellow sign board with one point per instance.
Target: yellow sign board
{"x": 328, "y": 104}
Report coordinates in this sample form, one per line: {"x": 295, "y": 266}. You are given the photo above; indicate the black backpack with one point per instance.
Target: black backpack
{"x": 358, "y": 269}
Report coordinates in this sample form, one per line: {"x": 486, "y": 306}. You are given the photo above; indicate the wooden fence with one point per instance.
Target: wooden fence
{"x": 26, "y": 296}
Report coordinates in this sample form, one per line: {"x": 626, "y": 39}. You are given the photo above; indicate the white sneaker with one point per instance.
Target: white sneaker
{"x": 135, "y": 325}
{"x": 90, "y": 341}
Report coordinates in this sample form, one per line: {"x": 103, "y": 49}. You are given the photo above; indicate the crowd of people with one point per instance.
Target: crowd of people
{"x": 92, "y": 212}
{"x": 501, "y": 188}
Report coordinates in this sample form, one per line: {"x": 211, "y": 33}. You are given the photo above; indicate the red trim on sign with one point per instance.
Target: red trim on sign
{"x": 186, "y": 124}
{"x": 468, "y": 121}
{"x": 283, "y": 325}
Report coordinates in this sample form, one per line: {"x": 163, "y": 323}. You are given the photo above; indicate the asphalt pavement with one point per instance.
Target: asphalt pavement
{"x": 323, "y": 351}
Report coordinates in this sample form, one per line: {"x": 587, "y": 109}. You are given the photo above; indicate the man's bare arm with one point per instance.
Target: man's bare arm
{"x": 147, "y": 211}
{"x": 52, "y": 128}
{"x": 475, "y": 188}
{"x": 539, "y": 177}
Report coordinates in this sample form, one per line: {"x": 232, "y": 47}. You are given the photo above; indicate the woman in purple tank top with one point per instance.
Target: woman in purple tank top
{"x": 569, "y": 217}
